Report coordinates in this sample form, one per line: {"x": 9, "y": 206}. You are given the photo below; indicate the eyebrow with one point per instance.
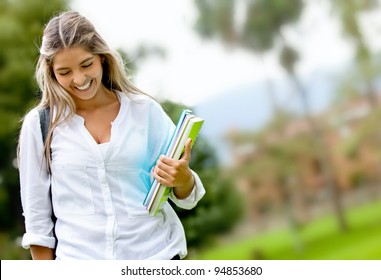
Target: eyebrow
{"x": 67, "y": 68}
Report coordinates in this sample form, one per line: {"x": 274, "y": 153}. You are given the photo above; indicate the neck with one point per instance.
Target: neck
{"x": 103, "y": 98}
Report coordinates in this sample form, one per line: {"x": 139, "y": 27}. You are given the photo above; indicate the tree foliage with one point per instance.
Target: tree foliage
{"x": 348, "y": 13}
{"x": 260, "y": 30}
{"x": 262, "y": 21}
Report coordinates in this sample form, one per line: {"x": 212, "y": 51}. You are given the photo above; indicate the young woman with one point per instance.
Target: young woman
{"x": 105, "y": 145}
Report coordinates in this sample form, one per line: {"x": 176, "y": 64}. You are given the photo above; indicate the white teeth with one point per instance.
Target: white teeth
{"x": 85, "y": 86}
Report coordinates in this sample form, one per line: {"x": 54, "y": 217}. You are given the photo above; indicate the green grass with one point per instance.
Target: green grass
{"x": 320, "y": 239}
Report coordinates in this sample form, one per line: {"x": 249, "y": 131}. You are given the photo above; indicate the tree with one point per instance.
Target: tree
{"x": 348, "y": 12}
{"x": 274, "y": 183}
{"x": 260, "y": 31}
{"x": 253, "y": 29}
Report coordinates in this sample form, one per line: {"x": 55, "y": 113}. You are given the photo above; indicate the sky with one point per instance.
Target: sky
{"x": 195, "y": 70}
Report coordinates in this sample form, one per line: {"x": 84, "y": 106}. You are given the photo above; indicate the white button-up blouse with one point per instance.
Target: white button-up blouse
{"x": 98, "y": 191}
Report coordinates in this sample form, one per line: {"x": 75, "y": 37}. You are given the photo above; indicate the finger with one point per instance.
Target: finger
{"x": 167, "y": 164}
{"x": 165, "y": 160}
{"x": 161, "y": 173}
{"x": 162, "y": 177}
{"x": 158, "y": 174}
{"x": 187, "y": 153}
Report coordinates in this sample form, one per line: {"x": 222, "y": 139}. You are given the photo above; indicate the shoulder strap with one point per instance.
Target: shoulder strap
{"x": 44, "y": 122}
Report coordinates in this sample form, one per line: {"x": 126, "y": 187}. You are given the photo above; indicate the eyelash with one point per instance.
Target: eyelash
{"x": 84, "y": 66}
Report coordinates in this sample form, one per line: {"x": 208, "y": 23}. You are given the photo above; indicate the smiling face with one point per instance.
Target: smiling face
{"x": 79, "y": 72}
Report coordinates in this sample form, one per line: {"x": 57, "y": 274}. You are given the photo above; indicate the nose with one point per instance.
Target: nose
{"x": 79, "y": 78}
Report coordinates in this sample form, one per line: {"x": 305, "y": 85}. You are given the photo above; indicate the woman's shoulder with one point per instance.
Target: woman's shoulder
{"x": 31, "y": 117}
{"x": 30, "y": 124}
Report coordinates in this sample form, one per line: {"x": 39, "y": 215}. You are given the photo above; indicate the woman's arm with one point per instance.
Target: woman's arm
{"x": 41, "y": 253}
{"x": 35, "y": 187}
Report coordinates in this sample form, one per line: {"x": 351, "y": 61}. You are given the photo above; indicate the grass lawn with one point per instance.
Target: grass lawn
{"x": 319, "y": 240}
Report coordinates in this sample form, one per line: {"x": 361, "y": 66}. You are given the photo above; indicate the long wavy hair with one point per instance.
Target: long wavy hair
{"x": 70, "y": 29}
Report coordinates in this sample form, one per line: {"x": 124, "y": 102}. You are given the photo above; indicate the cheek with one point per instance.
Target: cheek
{"x": 98, "y": 72}
{"x": 62, "y": 81}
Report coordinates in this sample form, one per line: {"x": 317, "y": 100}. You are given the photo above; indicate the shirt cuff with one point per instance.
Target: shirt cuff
{"x": 40, "y": 240}
{"x": 194, "y": 197}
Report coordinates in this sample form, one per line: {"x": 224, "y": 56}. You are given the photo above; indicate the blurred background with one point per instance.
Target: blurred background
{"x": 290, "y": 153}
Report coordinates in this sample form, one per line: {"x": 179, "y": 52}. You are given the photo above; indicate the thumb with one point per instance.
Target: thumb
{"x": 187, "y": 153}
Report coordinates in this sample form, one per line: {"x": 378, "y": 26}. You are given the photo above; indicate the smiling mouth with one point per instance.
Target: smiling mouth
{"x": 85, "y": 86}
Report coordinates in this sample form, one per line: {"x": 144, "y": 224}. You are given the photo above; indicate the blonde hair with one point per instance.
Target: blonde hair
{"x": 70, "y": 29}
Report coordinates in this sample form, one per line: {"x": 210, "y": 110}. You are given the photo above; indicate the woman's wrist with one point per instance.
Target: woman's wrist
{"x": 41, "y": 253}
{"x": 182, "y": 192}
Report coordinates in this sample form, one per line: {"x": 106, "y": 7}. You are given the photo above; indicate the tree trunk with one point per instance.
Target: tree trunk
{"x": 323, "y": 157}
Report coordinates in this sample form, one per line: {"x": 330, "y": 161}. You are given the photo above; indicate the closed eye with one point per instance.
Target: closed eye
{"x": 87, "y": 65}
{"x": 64, "y": 73}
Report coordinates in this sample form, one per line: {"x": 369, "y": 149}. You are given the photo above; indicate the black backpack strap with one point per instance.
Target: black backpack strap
{"x": 44, "y": 122}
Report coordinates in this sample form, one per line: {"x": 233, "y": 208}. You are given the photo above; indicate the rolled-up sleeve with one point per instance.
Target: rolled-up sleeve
{"x": 35, "y": 185}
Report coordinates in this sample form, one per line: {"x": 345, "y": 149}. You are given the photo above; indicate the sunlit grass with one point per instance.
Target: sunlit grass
{"x": 320, "y": 240}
